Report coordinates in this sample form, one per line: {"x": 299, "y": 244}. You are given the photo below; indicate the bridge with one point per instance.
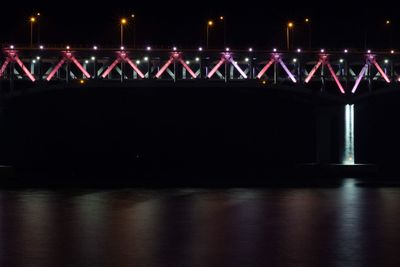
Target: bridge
{"x": 346, "y": 72}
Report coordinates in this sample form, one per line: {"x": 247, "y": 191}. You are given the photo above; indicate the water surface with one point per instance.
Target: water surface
{"x": 348, "y": 225}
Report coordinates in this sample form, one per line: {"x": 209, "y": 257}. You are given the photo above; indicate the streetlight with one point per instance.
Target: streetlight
{"x": 134, "y": 30}
{"x": 289, "y": 27}
{"x": 222, "y": 18}
{"x": 210, "y": 23}
{"x": 32, "y": 20}
{"x": 123, "y": 22}
{"x": 38, "y": 26}
{"x": 389, "y": 25}
{"x": 308, "y": 23}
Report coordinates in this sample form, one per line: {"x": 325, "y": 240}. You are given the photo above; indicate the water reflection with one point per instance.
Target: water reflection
{"x": 344, "y": 226}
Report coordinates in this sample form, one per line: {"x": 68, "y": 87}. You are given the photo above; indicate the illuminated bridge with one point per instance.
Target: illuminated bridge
{"x": 344, "y": 72}
{"x": 326, "y": 89}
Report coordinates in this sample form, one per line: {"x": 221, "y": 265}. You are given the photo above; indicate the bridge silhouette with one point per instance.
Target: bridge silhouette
{"x": 346, "y": 72}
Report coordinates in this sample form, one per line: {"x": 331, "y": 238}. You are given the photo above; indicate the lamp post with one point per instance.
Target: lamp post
{"x": 123, "y": 22}
{"x": 209, "y": 24}
{"x": 223, "y": 19}
{"x": 38, "y": 27}
{"x": 288, "y": 28}
{"x": 134, "y": 30}
{"x": 308, "y": 23}
{"x": 389, "y": 25}
{"x": 32, "y": 20}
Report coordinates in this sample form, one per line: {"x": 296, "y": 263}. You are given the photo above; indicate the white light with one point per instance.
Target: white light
{"x": 346, "y": 51}
{"x": 341, "y": 60}
{"x": 298, "y": 50}
{"x": 274, "y": 50}
{"x": 122, "y": 48}
{"x": 38, "y": 58}
{"x": 174, "y": 48}
{"x": 348, "y": 150}
{"x": 246, "y": 59}
{"x": 200, "y": 48}
{"x": 250, "y": 49}
{"x": 137, "y": 62}
{"x": 11, "y": 46}
{"x": 93, "y": 58}
{"x": 95, "y": 47}
{"x": 33, "y": 61}
{"x": 368, "y": 51}
{"x": 322, "y": 50}
{"x": 41, "y": 47}
{"x": 148, "y": 48}
{"x": 146, "y": 58}
{"x": 295, "y": 60}
{"x": 386, "y": 61}
{"x": 227, "y": 49}
{"x": 68, "y": 47}
{"x": 391, "y": 51}
{"x": 197, "y": 59}
{"x": 188, "y": 62}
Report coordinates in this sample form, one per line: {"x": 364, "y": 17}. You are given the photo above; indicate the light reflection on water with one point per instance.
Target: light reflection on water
{"x": 341, "y": 226}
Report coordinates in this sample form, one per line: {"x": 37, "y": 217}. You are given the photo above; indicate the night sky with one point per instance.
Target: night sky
{"x": 260, "y": 24}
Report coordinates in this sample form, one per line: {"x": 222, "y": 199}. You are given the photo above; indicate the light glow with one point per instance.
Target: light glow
{"x": 348, "y": 148}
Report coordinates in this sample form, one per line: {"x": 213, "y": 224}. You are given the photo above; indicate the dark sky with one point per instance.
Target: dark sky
{"x": 260, "y": 24}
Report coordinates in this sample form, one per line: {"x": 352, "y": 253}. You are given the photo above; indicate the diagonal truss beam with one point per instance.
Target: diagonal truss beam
{"x": 360, "y": 76}
{"x": 123, "y": 57}
{"x": 67, "y": 57}
{"x": 13, "y": 57}
{"x": 111, "y": 67}
{"x": 380, "y": 71}
{"x": 56, "y": 68}
{"x": 4, "y": 66}
{"x": 176, "y": 56}
{"x": 339, "y": 85}
{"x": 216, "y": 67}
{"x": 266, "y": 67}
{"x": 312, "y": 72}
{"x": 27, "y": 72}
{"x": 287, "y": 70}
{"x": 276, "y": 58}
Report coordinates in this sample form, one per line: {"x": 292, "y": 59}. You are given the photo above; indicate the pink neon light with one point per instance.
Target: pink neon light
{"x": 335, "y": 78}
{"x": 360, "y": 76}
{"x": 266, "y": 67}
{"x": 381, "y": 71}
{"x": 111, "y": 67}
{"x": 4, "y": 66}
{"x": 166, "y": 65}
{"x": 187, "y": 68}
{"x": 238, "y": 68}
{"x": 212, "y": 72}
{"x": 27, "y": 72}
{"x": 135, "y": 68}
{"x": 55, "y": 69}
{"x": 312, "y": 72}
{"x": 287, "y": 71}
{"x": 79, "y": 66}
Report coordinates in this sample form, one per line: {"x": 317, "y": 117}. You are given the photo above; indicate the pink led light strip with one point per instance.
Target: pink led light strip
{"x": 12, "y": 56}
{"x": 370, "y": 59}
{"x": 123, "y": 57}
{"x": 324, "y": 61}
{"x": 226, "y": 57}
{"x": 276, "y": 59}
{"x": 176, "y": 56}
{"x": 67, "y": 57}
